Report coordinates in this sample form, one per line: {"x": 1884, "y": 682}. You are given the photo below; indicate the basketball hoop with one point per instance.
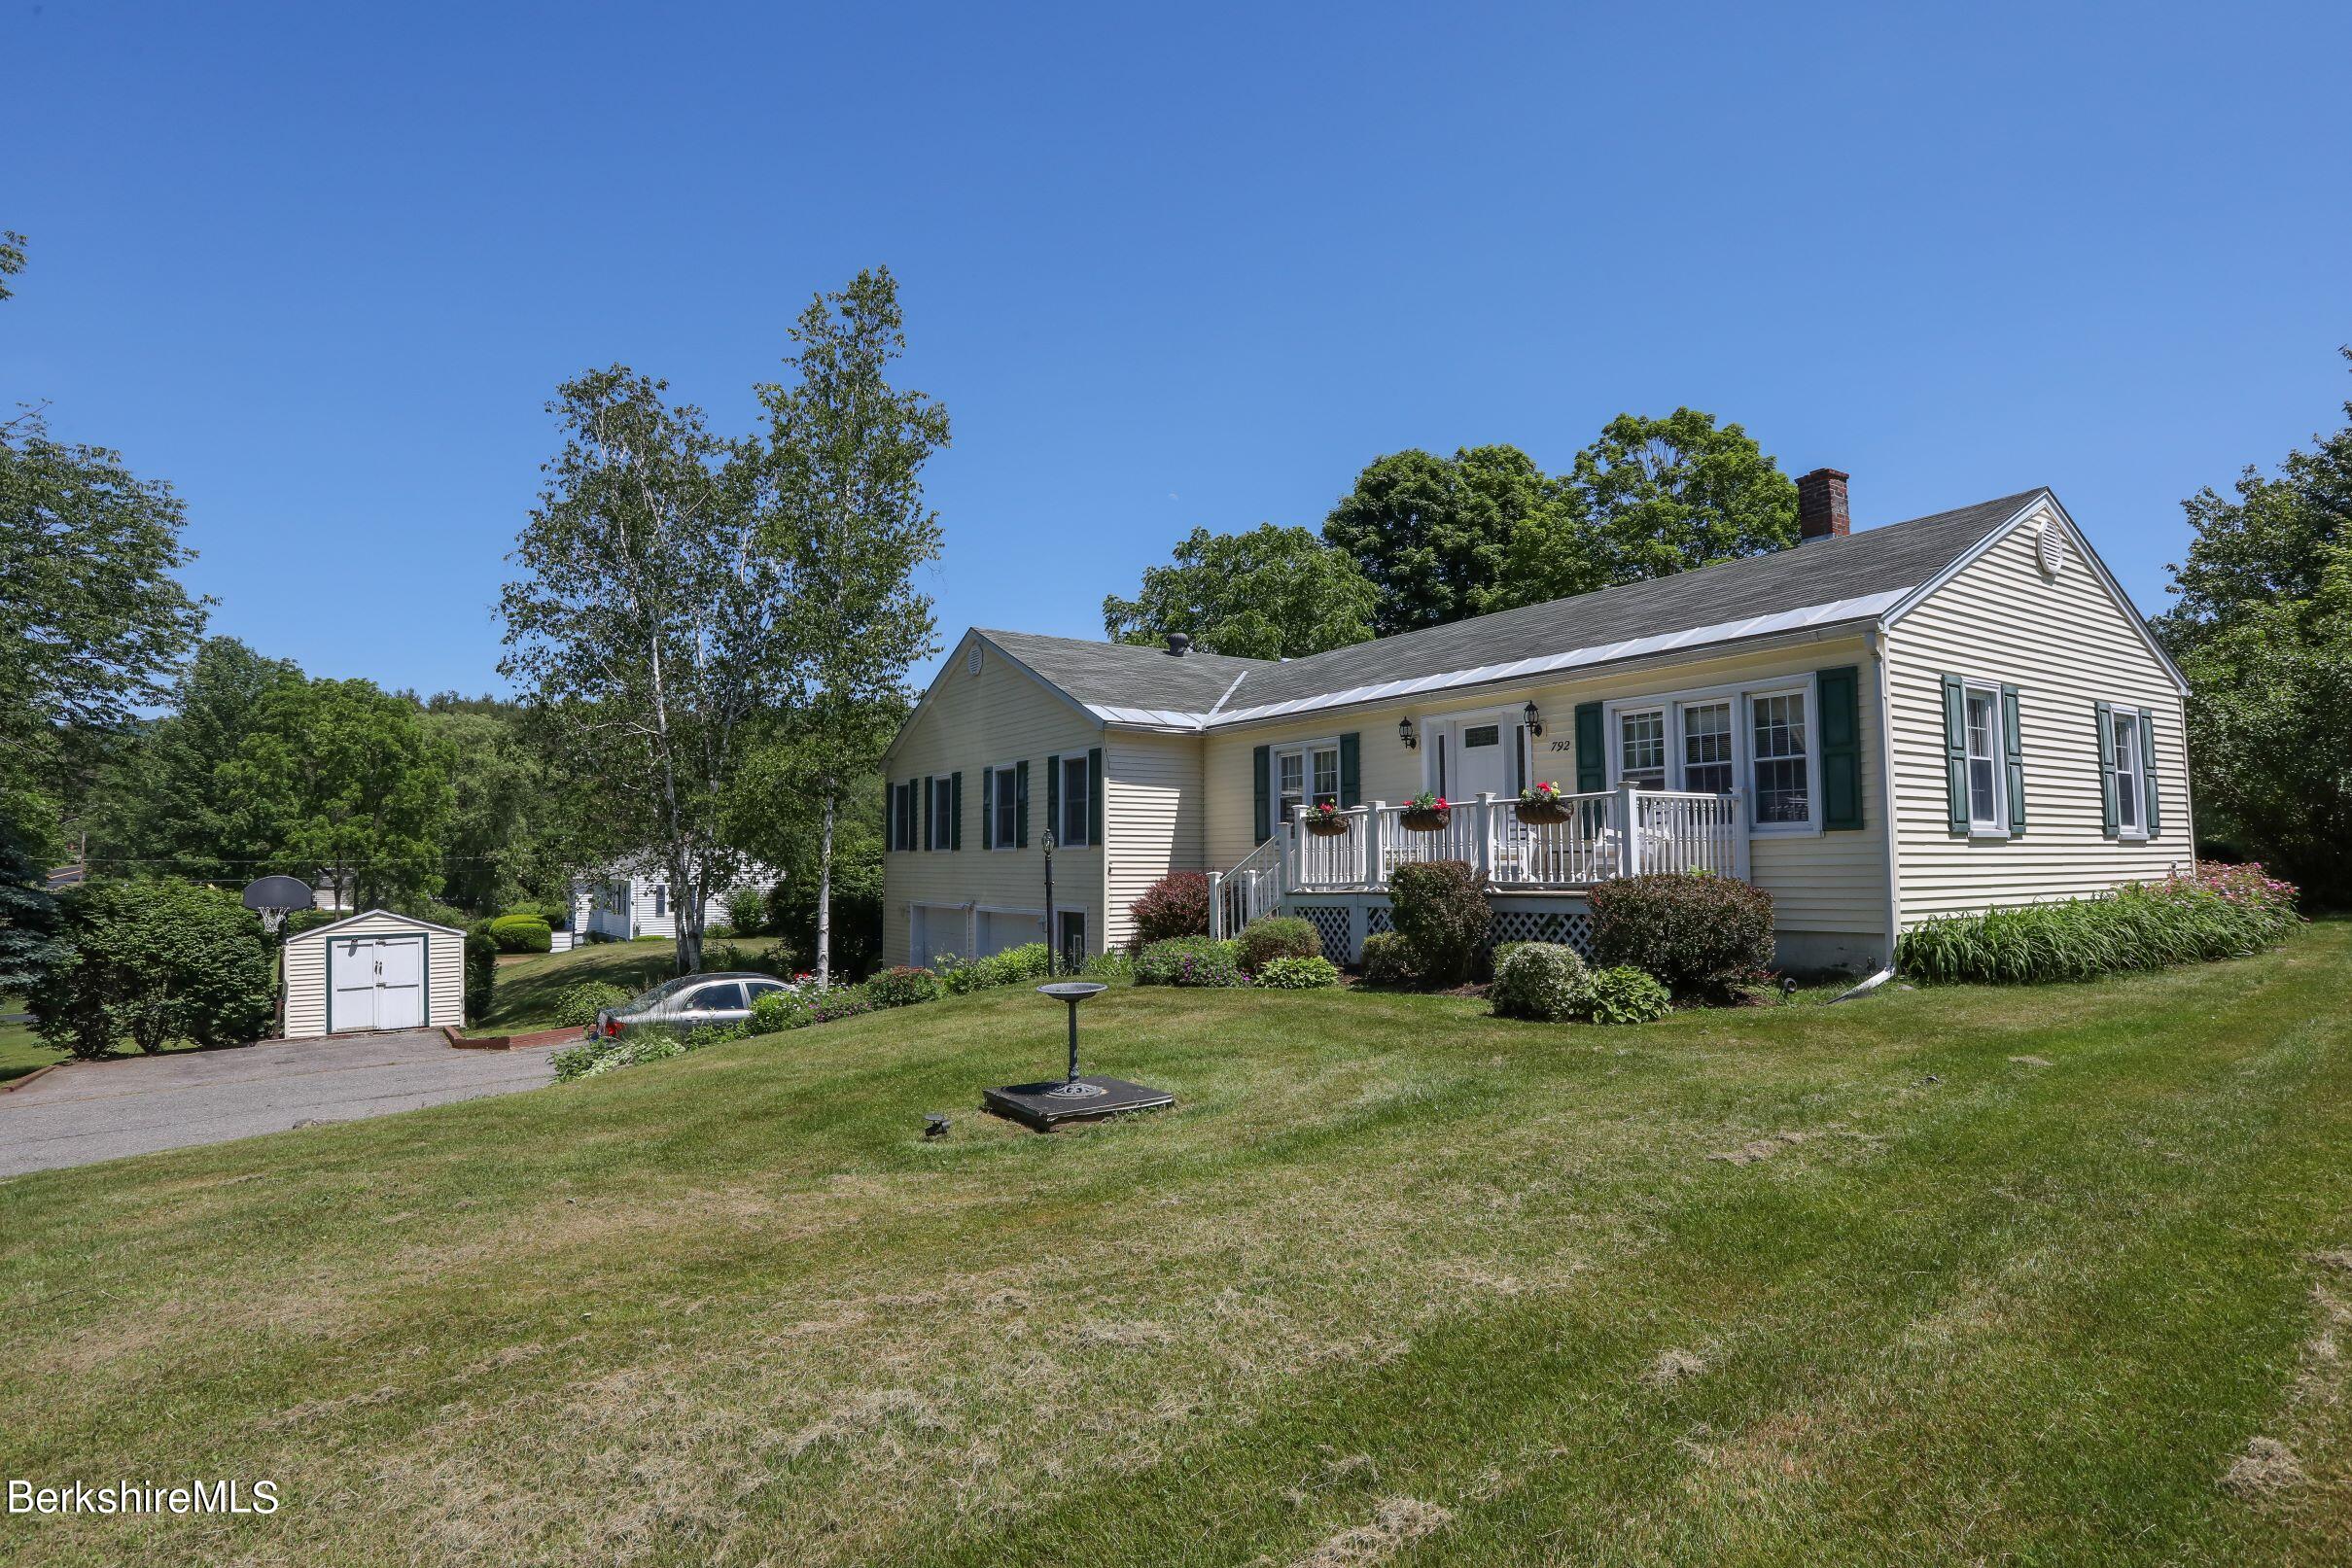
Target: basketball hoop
{"x": 274, "y": 898}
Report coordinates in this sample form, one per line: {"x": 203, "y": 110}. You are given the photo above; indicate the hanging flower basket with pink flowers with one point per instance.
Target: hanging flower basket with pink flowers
{"x": 1324, "y": 820}
{"x": 1541, "y": 805}
{"x": 1426, "y": 812}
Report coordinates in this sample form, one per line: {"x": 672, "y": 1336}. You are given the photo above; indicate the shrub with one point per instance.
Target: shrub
{"x": 1031, "y": 960}
{"x": 1540, "y": 980}
{"x": 154, "y": 961}
{"x": 780, "y": 1010}
{"x": 1112, "y": 968}
{"x": 1278, "y": 936}
{"x": 1440, "y": 909}
{"x": 1702, "y": 936}
{"x": 2217, "y": 912}
{"x": 903, "y": 986}
{"x": 579, "y": 1005}
{"x": 748, "y": 910}
{"x": 839, "y": 1002}
{"x": 432, "y": 909}
{"x": 1626, "y": 994}
{"x": 1388, "y": 960}
{"x": 593, "y": 1057}
{"x": 307, "y": 919}
{"x": 481, "y": 972}
{"x": 720, "y": 932}
{"x": 1298, "y": 973}
{"x": 709, "y": 1035}
{"x": 1191, "y": 961}
{"x": 1177, "y": 905}
{"x": 521, "y": 933}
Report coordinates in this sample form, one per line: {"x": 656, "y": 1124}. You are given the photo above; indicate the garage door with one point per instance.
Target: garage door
{"x": 376, "y": 982}
{"x": 933, "y": 930}
{"x": 1002, "y": 929}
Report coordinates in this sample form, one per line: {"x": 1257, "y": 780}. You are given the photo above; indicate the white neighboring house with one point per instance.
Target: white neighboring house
{"x": 625, "y": 903}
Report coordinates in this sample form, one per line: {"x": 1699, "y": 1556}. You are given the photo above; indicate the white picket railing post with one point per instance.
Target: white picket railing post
{"x": 1486, "y": 835}
{"x": 1216, "y": 906}
{"x": 1628, "y": 818}
{"x": 1293, "y": 864}
{"x": 1376, "y": 865}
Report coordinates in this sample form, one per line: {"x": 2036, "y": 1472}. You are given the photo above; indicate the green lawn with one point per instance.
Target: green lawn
{"x": 20, "y": 1049}
{"x": 526, "y": 994}
{"x": 1396, "y": 1284}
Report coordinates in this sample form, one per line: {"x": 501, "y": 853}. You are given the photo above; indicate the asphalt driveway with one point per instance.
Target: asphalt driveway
{"x": 87, "y": 1111}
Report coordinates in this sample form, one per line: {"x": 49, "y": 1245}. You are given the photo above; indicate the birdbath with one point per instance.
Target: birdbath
{"x": 1050, "y": 1103}
{"x": 1073, "y": 991}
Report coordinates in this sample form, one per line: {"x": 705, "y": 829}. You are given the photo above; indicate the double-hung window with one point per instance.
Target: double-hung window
{"x": 1642, "y": 747}
{"x": 944, "y": 811}
{"x": 1782, "y": 759}
{"x": 1074, "y": 797}
{"x": 1306, "y": 776}
{"x": 1005, "y": 806}
{"x": 1987, "y": 811}
{"x": 2130, "y": 787}
{"x": 1707, "y": 765}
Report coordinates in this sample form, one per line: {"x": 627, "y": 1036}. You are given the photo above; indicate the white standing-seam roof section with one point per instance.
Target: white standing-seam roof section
{"x": 1867, "y": 607}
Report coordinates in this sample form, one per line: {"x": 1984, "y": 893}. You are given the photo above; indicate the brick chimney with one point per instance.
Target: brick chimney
{"x": 1822, "y": 506}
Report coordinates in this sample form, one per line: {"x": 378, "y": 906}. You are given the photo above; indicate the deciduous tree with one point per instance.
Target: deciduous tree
{"x": 1432, "y": 534}
{"x": 1270, "y": 593}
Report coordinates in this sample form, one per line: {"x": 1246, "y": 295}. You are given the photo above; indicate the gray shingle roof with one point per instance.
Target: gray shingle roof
{"x": 1122, "y": 674}
{"x": 1877, "y": 561}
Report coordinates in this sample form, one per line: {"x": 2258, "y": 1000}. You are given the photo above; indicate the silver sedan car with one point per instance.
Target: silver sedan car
{"x": 689, "y": 1003}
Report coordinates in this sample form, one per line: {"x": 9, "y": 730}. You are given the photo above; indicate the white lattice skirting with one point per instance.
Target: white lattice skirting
{"x": 1344, "y": 922}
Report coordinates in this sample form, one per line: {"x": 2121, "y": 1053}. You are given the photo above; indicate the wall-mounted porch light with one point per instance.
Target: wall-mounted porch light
{"x": 1404, "y": 733}
{"x": 1534, "y": 719}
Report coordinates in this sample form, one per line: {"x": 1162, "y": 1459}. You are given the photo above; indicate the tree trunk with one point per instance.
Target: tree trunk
{"x": 685, "y": 910}
{"x": 824, "y": 895}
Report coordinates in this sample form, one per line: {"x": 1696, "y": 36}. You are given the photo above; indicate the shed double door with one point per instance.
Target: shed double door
{"x": 376, "y": 982}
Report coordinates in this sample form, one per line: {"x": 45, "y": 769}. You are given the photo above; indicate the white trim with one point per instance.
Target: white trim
{"x": 2114, "y": 590}
{"x": 1888, "y": 820}
{"x": 1997, "y": 830}
{"x": 371, "y": 914}
{"x": 2141, "y": 763}
{"x": 1059, "y": 788}
{"x": 992, "y": 790}
{"x": 1808, "y": 686}
{"x": 1806, "y": 618}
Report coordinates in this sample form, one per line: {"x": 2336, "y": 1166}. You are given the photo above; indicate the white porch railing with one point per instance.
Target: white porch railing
{"x": 1252, "y": 888}
{"x": 1611, "y": 833}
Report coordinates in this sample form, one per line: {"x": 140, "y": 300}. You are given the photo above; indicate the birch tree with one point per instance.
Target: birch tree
{"x": 647, "y": 629}
{"x": 840, "y": 498}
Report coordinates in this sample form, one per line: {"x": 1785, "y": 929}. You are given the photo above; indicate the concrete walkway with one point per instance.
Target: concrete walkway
{"x": 88, "y": 1111}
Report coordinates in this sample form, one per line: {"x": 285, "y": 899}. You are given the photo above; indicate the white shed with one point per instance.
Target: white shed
{"x": 374, "y": 971}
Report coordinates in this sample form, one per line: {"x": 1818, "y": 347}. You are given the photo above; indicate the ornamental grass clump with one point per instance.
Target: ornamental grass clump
{"x": 2217, "y": 912}
{"x": 1542, "y": 980}
{"x": 1702, "y": 935}
{"x": 1191, "y": 961}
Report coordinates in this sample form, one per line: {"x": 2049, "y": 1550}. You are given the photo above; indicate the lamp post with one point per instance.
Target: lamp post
{"x": 1052, "y": 953}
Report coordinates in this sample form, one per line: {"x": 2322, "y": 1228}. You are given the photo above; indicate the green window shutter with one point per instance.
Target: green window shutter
{"x": 1053, "y": 797}
{"x": 955, "y": 810}
{"x": 2106, "y": 720}
{"x": 1955, "y": 754}
{"x": 987, "y": 808}
{"x": 927, "y": 808}
{"x": 1840, "y": 692}
{"x": 889, "y": 815}
{"x": 1094, "y": 795}
{"x": 1021, "y": 804}
{"x": 2013, "y": 738}
{"x": 1261, "y": 764}
{"x": 2155, "y": 818}
{"x": 1591, "y": 757}
{"x": 1350, "y": 769}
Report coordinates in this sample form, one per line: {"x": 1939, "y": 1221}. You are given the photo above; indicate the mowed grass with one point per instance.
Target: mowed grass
{"x": 1396, "y": 1284}
{"x": 527, "y": 990}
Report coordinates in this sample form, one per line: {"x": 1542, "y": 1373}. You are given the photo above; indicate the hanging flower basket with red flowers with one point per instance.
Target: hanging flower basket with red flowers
{"x": 1324, "y": 820}
{"x": 1540, "y": 805}
{"x": 1426, "y": 812}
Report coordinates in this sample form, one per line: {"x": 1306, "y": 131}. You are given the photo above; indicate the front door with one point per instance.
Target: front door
{"x": 1482, "y": 762}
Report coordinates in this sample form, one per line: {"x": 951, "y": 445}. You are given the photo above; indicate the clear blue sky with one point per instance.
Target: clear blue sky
{"x": 320, "y": 266}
